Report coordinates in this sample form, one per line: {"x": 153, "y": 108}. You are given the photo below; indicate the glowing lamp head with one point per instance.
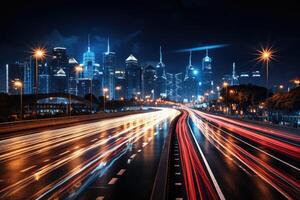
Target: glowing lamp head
{"x": 39, "y": 53}
{"x": 105, "y": 89}
{"x": 195, "y": 72}
{"x": 18, "y": 84}
{"x": 78, "y": 68}
{"x": 266, "y": 54}
{"x": 225, "y": 84}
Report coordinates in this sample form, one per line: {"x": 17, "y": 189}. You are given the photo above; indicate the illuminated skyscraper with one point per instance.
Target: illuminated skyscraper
{"x": 235, "y": 80}
{"x": 207, "y": 81}
{"x": 178, "y": 87}
{"x": 58, "y": 70}
{"x": 149, "y": 75}
{"x": 161, "y": 79}
{"x": 13, "y": 71}
{"x": 170, "y": 86}
{"x": 88, "y": 61}
{"x": 120, "y": 83}
{"x": 109, "y": 64}
{"x": 191, "y": 82}
{"x": 133, "y": 76}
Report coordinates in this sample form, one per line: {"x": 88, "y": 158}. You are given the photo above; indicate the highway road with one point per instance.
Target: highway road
{"x": 223, "y": 158}
{"x": 112, "y": 159}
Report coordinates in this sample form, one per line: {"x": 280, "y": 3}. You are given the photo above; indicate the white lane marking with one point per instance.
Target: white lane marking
{"x": 132, "y": 156}
{"x": 176, "y": 165}
{"x": 179, "y": 198}
{"x": 121, "y": 172}
{"x": 63, "y": 153}
{"x": 100, "y": 198}
{"x": 219, "y": 191}
{"x": 28, "y": 168}
{"x": 176, "y": 154}
{"x": 129, "y": 161}
{"x": 177, "y": 173}
{"x": 176, "y": 158}
{"x": 93, "y": 140}
{"x": 178, "y": 183}
{"x": 113, "y": 181}
{"x": 139, "y": 150}
{"x": 145, "y": 143}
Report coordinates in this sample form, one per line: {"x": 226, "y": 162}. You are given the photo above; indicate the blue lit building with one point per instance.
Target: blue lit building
{"x": 133, "y": 76}
{"x": 192, "y": 82}
{"x": 109, "y": 64}
{"x": 59, "y": 70}
{"x": 207, "y": 81}
{"x": 88, "y": 62}
{"x": 98, "y": 80}
{"x": 120, "y": 83}
{"x": 149, "y": 75}
{"x": 13, "y": 71}
{"x": 161, "y": 79}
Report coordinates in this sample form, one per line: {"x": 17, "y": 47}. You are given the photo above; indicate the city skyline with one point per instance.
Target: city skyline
{"x": 142, "y": 39}
{"x": 154, "y": 99}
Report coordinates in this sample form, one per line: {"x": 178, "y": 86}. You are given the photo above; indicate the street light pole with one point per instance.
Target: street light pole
{"x": 104, "y": 97}
{"x": 19, "y": 84}
{"x": 38, "y": 53}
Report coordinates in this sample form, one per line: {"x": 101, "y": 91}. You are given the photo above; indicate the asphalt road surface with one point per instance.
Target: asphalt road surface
{"x": 112, "y": 159}
{"x": 223, "y": 158}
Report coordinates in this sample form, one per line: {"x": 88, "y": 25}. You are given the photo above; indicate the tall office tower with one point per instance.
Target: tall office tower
{"x": 178, "y": 86}
{"x": 83, "y": 86}
{"x": 235, "y": 80}
{"x": 161, "y": 79}
{"x": 191, "y": 84}
{"x": 44, "y": 78}
{"x": 109, "y": 64}
{"x": 120, "y": 83}
{"x": 60, "y": 80}
{"x": 149, "y": 75}
{"x": 73, "y": 75}
{"x": 133, "y": 76}
{"x": 59, "y": 67}
{"x": 170, "y": 86}
{"x": 88, "y": 61}
{"x": 98, "y": 80}
{"x": 28, "y": 77}
{"x": 207, "y": 73}
{"x": 13, "y": 71}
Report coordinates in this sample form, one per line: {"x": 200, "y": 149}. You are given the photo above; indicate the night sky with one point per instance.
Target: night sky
{"x": 139, "y": 27}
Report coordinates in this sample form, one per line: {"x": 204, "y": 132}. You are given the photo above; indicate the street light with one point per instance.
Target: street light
{"x": 78, "y": 69}
{"x": 265, "y": 55}
{"x": 225, "y": 85}
{"x": 297, "y": 82}
{"x": 19, "y": 84}
{"x": 38, "y": 53}
{"x": 105, "y": 90}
